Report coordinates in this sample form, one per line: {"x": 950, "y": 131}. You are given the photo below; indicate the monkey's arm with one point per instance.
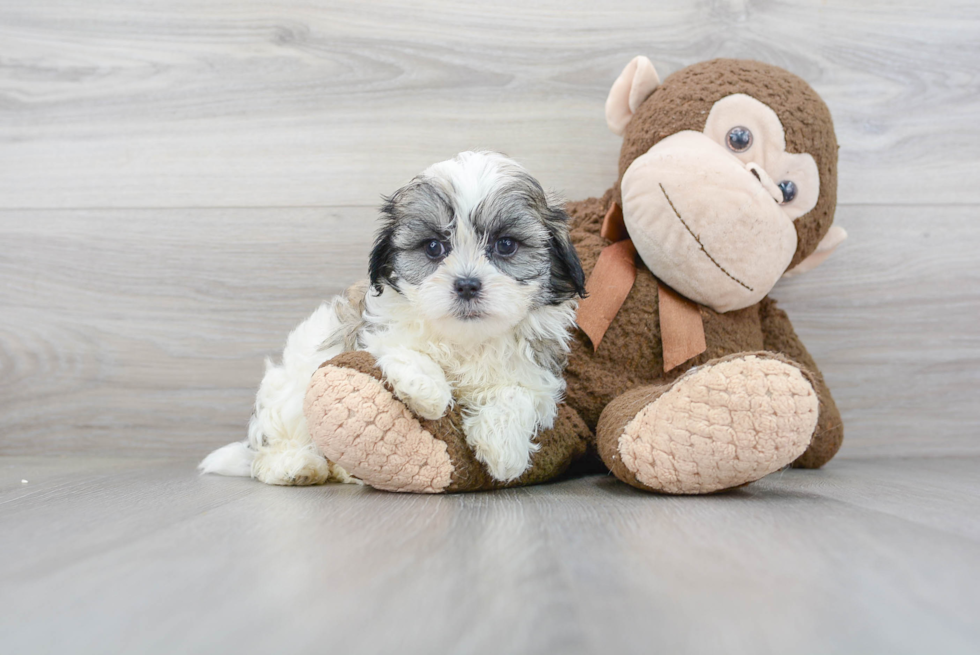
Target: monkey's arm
{"x": 779, "y": 336}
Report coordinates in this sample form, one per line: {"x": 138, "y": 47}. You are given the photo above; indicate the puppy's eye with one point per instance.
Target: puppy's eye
{"x": 506, "y": 246}
{"x": 739, "y": 139}
{"x": 434, "y": 249}
{"x": 789, "y": 190}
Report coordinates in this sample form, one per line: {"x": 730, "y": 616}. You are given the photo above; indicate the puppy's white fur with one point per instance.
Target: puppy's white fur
{"x": 499, "y": 357}
{"x": 278, "y": 449}
{"x": 505, "y": 393}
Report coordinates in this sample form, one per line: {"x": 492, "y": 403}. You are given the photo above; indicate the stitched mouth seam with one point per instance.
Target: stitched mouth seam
{"x": 700, "y": 245}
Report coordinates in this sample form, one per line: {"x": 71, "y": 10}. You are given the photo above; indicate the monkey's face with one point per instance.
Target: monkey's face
{"x": 728, "y": 176}
{"x": 711, "y": 213}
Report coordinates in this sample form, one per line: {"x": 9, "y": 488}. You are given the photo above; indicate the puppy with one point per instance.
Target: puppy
{"x": 471, "y": 299}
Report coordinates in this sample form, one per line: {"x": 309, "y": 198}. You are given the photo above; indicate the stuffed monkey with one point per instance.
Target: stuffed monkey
{"x": 684, "y": 376}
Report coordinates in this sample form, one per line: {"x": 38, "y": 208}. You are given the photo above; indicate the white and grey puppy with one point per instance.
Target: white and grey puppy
{"x": 472, "y": 294}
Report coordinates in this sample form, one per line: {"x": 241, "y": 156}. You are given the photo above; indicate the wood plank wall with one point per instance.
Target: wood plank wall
{"x": 182, "y": 182}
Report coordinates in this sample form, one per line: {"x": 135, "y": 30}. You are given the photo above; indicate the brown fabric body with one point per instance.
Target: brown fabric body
{"x": 566, "y": 442}
{"x": 631, "y": 354}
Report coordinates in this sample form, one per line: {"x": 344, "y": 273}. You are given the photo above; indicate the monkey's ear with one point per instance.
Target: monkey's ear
{"x": 631, "y": 88}
{"x": 834, "y": 237}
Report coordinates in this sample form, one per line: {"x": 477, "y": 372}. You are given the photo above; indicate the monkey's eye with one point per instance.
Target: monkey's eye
{"x": 788, "y": 187}
{"x": 434, "y": 249}
{"x": 506, "y": 246}
{"x": 739, "y": 139}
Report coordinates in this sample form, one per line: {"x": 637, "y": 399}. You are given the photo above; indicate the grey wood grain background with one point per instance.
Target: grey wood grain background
{"x": 182, "y": 182}
{"x": 145, "y": 556}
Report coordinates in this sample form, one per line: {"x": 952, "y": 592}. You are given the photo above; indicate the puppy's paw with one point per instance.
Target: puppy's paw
{"x": 501, "y": 433}
{"x": 298, "y": 467}
{"x": 428, "y": 397}
{"x": 418, "y": 382}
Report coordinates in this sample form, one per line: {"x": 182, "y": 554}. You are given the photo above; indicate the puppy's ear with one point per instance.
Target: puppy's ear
{"x": 381, "y": 267}
{"x": 567, "y": 277}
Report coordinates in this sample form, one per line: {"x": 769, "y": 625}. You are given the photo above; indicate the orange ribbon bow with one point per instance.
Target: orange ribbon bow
{"x": 681, "y": 325}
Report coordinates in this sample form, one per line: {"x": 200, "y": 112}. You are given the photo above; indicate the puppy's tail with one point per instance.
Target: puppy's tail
{"x": 278, "y": 426}
{"x": 234, "y": 459}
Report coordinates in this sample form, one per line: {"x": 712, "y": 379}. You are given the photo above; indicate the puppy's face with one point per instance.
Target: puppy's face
{"x": 475, "y": 244}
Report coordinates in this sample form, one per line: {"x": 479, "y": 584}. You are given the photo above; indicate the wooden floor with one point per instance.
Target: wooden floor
{"x": 182, "y": 182}
{"x": 144, "y": 556}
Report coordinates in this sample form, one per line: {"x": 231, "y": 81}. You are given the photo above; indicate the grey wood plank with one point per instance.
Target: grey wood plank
{"x": 892, "y": 321}
{"x": 72, "y": 509}
{"x": 171, "y": 562}
{"x": 148, "y": 329}
{"x": 939, "y": 492}
{"x": 286, "y": 103}
{"x": 143, "y": 332}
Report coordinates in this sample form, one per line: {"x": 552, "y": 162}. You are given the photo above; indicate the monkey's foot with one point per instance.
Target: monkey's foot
{"x": 356, "y": 422}
{"x": 722, "y": 425}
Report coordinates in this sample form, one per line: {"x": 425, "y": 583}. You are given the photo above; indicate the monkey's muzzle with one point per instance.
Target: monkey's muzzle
{"x": 706, "y": 223}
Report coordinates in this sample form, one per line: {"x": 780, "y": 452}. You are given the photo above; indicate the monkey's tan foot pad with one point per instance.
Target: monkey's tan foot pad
{"x": 357, "y": 423}
{"x": 720, "y": 426}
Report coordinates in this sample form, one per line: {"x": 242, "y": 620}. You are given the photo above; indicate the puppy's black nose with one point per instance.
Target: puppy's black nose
{"x": 467, "y": 287}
